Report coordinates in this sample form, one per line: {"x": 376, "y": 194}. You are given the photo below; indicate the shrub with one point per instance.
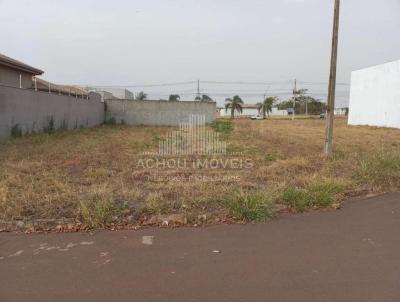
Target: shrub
{"x": 225, "y": 127}
{"x": 256, "y": 206}
{"x": 155, "y": 203}
{"x": 317, "y": 195}
{"x": 381, "y": 170}
{"x": 96, "y": 213}
{"x": 296, "y": 199}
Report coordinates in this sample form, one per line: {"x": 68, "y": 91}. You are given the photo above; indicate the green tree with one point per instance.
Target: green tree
{"x": 266, "y": 106}
{"x": 314, "y": 107}
{"x": 174, "y": 97}
{"x": 204, "y": 98}
{"x": 141, "y": 96}
{"x": 234, "y": 104}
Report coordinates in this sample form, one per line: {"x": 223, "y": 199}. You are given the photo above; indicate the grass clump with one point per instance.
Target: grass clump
{"x": 224, "y": 127}
{"x": 380, "y": 170}
{"x": 155, "y": 204}
{"x": 254, "y": 206}
{"x": 96, "y": 213}
{"x": 318, "y": 195}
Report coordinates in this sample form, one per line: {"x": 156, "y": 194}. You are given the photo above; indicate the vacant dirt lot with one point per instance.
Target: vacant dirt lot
{"x": 97, "y": 176}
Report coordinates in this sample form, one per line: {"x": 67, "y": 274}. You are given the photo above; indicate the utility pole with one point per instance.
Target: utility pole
{"x": 306, "y": 106}
{"x": 332, "y": 82}
{"x": 198, "y": 89}
{"x": 294, "y": 98}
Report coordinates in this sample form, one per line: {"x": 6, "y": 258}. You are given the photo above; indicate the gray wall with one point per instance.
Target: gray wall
{"x": 10, "y": 77}
{"x": 32, "y": 111}
{"x": 157, "y": 113}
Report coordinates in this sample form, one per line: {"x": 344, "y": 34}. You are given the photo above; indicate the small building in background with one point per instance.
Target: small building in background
{"x": 341, "y": 111}
{"x": 250, "y": 110}
{"x": 375, "y": 96}
{"x": 277, "y": 112}
{"x": 16, "y": 74}
{"x": 109, "y": 93}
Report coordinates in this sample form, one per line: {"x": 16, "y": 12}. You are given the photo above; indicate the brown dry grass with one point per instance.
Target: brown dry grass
{"x": 59, "y": 175}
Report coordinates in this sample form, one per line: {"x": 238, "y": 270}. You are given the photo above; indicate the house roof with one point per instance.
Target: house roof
{"x": 66, "y": 89}
{"x": 245, "y": 106}
{"x": 250, "y": 106}
{"x": 12, "y": 63}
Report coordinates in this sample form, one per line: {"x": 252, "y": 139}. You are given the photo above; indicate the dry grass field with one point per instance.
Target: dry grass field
{"x": 93, "y": 175}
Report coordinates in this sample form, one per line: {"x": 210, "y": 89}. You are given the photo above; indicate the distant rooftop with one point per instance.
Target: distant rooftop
{"x": 12, "y": 63}
{"x": 250, "y": 106}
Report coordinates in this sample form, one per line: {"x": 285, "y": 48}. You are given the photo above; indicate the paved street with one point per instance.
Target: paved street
{"x": 348, "y": 255}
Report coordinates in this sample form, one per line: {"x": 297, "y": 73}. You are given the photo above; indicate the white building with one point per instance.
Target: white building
{"x": 341, "y": 111}
{"x": 375, "y": 96}
{"x": 277, "y": 112}
{"x": 248, "y": 111}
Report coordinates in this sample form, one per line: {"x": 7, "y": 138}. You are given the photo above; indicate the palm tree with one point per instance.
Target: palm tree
{"x": 174, "y": 97}
{"x": 141, "y": 96}
{"x": 235, "y": 104}
{"x": 204, "y": 98}
{"x": 266, "y": 106}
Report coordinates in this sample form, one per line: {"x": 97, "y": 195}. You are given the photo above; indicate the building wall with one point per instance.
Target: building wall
{"x": 32, "y": 111}
{"x": 277, "y": 112}
{"x": 157, "y": 113}
{"x": 248, "y": 112}
{"x": 340, "y": 111}
{"x": 10, "y": 77}
{"x": 120, "y": 93}
{"x": 375, "y": 96}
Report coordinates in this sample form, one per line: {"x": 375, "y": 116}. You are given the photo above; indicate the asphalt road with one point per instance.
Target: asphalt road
{"x": 348, "y": 255}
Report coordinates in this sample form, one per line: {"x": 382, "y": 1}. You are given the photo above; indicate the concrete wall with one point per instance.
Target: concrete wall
{"x": 157, "y": 113}
{"x": 32, "y": 111}
{"x": 10, "y": 77}
{"x": 375, "y": 96}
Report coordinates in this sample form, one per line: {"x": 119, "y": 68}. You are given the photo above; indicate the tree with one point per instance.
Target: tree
{"x": 314, "y": 106}
{"x": 204, "y": 98}
{"x": 174, "y": 97}
{"x": 266, "y": 106}
{"x": 234, "y": 104}
{"x": 141, "y": 96}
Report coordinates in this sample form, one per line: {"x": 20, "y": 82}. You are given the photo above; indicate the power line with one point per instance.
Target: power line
{"x": 212, "y": 83}
{"x": 145, "y": 85}
{"x": 322, "y": 83}
{"x": 244, "y": 83}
